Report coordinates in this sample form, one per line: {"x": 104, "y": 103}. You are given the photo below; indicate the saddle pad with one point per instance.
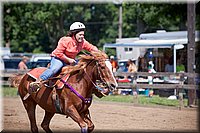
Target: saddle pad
{"x": 60, "y": 84}
{"x": 36, "y": 72}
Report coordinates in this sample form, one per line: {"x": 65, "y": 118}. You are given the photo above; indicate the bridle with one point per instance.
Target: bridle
{"x": 99, "y": 75}
{"x": 87, "y": 100}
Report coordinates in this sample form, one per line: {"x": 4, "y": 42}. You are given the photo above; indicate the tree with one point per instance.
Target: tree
{"x": 31, "y": 27}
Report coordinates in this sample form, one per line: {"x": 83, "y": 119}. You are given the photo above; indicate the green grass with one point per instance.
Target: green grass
{"x": 9, "y": 91}
{"x": 142, "y": 99}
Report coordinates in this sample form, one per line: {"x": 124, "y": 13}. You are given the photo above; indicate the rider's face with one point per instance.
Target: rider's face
{"x": 80, "y": 36}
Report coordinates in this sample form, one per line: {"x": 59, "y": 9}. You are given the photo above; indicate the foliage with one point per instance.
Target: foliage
{"x": 111, "y": 52}
{"x": 37, "y": 27}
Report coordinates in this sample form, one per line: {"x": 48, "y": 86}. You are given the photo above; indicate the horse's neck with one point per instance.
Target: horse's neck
{"x": 90, "y": 77}
{"x": 85, "y": 80}
{"x": 91, "y": 73}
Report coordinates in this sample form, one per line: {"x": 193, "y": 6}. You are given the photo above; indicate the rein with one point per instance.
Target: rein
{"x": 85, "y": 100}
{"x": 96, "y": 86}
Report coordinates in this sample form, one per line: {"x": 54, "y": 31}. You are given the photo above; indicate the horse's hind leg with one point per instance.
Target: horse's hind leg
{"x": 46, "y": 121}
{"x": 30, "y": 106}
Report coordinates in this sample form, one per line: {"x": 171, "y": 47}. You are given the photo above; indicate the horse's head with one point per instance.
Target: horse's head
{"x": 104, "y": 71}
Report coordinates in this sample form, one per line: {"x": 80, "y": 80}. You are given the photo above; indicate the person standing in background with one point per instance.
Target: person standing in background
{"x": 169, "y": 67}
{"x": 22, "y": 64}
{"x": 142, "y": 65}
{"x": 131, "y": 66}
{"x": 180, "y": 67}
{"x": 113, "y": 63}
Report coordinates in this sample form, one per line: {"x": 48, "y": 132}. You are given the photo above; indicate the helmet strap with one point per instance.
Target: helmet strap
{"x": 75, "y": 37}
{"x": 74, "y": 34}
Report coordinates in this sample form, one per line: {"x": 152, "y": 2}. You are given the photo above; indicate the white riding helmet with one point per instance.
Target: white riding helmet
{"x": 77, "y": 26}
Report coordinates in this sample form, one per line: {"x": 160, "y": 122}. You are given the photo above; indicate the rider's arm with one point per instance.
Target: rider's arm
{"x": 89, "y": 47}
{"x": 60, "y": 50}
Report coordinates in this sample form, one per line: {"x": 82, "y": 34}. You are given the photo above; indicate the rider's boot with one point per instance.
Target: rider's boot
{"x": 35, "y": 86}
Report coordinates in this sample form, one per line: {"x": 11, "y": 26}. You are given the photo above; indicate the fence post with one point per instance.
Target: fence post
{"x": 191, "y": 49}
{"x": 180, "y": 97}
{"x": 181, "y": 89}
{"x": 134, "y": 90}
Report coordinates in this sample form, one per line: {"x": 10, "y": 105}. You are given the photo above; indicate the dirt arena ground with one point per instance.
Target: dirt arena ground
{"x": 107, "y": 116}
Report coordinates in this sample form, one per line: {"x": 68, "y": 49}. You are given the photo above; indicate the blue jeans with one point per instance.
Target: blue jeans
{"x": 55, "y": 65}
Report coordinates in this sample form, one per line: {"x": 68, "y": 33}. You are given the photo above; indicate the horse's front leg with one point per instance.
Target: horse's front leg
{"x": 87, "y": 119}
{"x": 73, "y": 113}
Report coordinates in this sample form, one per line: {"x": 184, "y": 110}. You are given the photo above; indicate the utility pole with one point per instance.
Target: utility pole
{"x": 191, "y": 49}
{"x": 120, "y": 20}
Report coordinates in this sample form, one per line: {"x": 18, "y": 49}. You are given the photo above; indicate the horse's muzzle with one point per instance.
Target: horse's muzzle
{"x": 112, "y": 87}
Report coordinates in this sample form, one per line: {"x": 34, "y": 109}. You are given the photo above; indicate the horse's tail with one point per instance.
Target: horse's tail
{"x": 15, "y": 80}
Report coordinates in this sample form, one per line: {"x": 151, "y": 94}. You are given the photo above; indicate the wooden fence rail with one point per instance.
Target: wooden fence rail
{"x": 182, "y": 77}
{"x": 10, "y": 73}
{"x": 180, "y": 86}
{"x": 158, "y": 86}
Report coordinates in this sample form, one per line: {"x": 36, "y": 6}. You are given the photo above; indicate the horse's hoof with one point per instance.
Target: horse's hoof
{"x": 84, "y": 130}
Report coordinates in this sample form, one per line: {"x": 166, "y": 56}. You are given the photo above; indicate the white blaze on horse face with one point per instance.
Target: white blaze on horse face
{"x": 108, "y": 64}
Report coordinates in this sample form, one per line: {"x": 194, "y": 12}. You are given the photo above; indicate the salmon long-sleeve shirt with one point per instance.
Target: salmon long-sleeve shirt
{"x": 67, "y": 47}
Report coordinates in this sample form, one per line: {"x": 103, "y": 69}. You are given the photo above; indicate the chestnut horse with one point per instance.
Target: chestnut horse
{"x": 73, "y": 104}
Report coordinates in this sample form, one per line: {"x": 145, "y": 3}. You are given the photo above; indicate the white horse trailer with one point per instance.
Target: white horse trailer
{"x": 132, "y": 48}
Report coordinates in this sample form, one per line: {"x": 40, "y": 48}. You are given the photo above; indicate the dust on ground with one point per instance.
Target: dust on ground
{"x": 106, "y": 116}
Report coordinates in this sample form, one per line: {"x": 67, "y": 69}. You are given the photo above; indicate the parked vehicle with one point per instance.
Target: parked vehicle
{"x": 38, "y": 63}
{"x": 2, "y": 67}
{"x": 11, "y": 63}
{"x": 37, "y": 57}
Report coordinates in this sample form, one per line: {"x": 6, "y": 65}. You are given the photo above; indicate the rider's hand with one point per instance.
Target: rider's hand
{"x": 71, "y": 61}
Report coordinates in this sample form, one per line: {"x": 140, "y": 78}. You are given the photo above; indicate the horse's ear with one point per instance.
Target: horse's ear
{"x": 104, "y": 55}
{"x": 99, "y": 54}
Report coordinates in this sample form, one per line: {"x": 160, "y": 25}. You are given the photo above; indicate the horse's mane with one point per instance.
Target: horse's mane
{"x": 83, "y": 61}
{"x": 97, "y": 55}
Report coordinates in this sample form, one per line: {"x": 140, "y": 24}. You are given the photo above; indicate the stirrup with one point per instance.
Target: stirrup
{"x": 34, "y": 87}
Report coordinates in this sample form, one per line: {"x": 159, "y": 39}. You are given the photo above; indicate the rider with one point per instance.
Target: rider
{"x": 64, "y": 54}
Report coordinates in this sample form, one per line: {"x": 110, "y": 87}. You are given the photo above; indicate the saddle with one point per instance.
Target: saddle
{"x": 50, "y": 83}
{"x": 54, "y": 82}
